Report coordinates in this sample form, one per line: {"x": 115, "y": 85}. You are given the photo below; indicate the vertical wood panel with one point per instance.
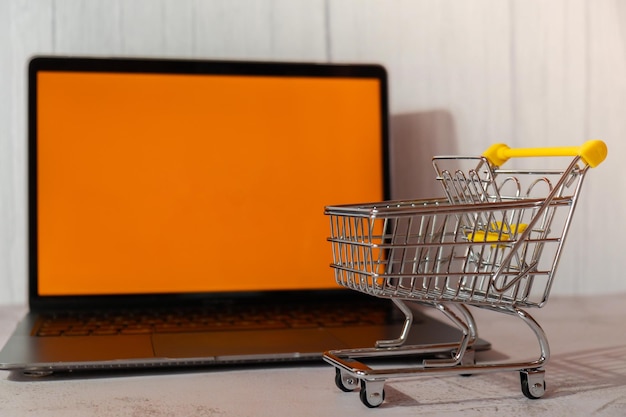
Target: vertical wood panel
{"x": 605, "y": 198}
{"x": 232, "y": 29}
{"x": 260, "y": 29}
{"x": 142, "y": 27}
{"x": 549, "y": 53}
{"x": 26, "y": 31}
{"x": 7, "y": 179}
{"x": 157, "y": 28}
{"x": 449, "y": 69}
{"x": 85, "y": 27}
{"x": 178, "y": 28}
{"x": 298, "y": 30}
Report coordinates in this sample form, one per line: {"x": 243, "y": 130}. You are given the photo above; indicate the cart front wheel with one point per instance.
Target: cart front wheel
{"x": 469, "y": 359}
{"x": 533, "y": 384}
{"x": 372, "y": 393}
{"x": 345, "y": 382}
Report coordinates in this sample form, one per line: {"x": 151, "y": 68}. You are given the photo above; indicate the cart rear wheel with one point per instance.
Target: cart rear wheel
{"x": 468, "y": 360}
{"x": 371, "y": 397}
{"x": 345, "y": 382}
{"x": 533, "y": 385}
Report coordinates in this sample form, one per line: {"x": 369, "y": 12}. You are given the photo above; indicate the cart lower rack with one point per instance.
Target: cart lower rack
{"x": 493, "y": 242}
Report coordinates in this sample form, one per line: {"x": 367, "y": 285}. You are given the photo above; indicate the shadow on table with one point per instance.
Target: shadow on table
{"x": 566, "y": 375}
{"x": 586, "y": 370}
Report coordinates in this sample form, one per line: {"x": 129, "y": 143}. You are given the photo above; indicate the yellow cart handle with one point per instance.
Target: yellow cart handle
{"x": 592, "y": 152}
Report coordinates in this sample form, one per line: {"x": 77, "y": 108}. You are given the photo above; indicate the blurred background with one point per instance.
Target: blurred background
{"x": 463, "y": 75}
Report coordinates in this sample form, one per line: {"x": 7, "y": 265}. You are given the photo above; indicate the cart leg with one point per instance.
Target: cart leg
{"x": 408, "y": 320}
{"x": 544, "y": 347}
{"x": 467, "y": 326}
{"x": 533, "y": 383}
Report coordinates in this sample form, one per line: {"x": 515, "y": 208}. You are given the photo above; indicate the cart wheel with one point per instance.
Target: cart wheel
{"x": 533, "y": 384}
{"x": 467, "y": 375}
{"x": 345, "y": 382}
{"x": 372, "y": 394}
{"x": 469, "y": 359}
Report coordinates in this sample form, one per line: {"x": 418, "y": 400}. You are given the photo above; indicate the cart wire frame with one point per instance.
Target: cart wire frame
{"x": 493, "y": 241}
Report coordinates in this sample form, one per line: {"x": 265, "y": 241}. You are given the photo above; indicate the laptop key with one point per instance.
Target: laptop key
{"x": 105, "y": 332}
{"x": 136, "y": 330}
{"x": 49, "y": 333}
{"x": 76, "y": 333}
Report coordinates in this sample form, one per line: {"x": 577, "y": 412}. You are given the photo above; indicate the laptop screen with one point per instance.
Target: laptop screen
{"x": 162, "y": 177}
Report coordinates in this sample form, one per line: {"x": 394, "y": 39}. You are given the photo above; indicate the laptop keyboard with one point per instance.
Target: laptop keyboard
{"x": 210, "y": 319}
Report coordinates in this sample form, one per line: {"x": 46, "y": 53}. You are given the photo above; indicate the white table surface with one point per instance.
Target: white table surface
{"x": 586, "y": 376}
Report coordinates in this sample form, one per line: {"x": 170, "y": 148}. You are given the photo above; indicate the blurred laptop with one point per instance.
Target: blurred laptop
{"x": 176, "y": 212}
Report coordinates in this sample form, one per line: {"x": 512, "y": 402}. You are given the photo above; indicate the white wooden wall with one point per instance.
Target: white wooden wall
{"x": 464, "y": 74}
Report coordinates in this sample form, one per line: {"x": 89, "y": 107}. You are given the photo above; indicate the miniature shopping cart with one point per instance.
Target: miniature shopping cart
{"x": 493, "y": 242}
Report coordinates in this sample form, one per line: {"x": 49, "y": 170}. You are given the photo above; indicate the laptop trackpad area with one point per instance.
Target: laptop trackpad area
{"x": 28, "y": 350}
{"x": 232, "y": 344}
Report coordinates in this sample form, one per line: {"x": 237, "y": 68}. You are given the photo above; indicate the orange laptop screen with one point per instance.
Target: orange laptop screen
{"x": 154, "y": 183}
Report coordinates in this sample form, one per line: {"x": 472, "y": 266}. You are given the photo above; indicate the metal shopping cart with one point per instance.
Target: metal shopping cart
{"x": 493, "y": 242}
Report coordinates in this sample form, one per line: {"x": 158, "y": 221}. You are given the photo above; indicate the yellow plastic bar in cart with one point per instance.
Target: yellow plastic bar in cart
{"x": 592, "y": 152}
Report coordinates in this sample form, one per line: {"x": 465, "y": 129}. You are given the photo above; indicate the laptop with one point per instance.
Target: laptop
{"x": 176, "y": 213}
